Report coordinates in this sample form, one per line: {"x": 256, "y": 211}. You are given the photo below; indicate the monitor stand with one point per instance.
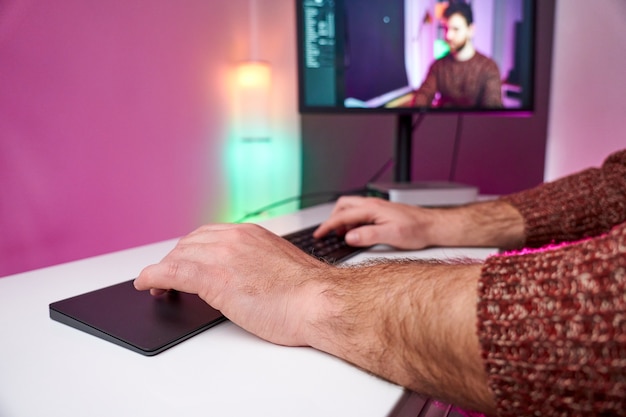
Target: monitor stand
{"x": 423, "y": 193}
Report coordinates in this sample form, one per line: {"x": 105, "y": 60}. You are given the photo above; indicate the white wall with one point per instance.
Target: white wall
{"x": 588, "y": 100}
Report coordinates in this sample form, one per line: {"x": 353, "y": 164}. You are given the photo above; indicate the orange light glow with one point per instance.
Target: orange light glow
{"x": 254, "y": 75}
{"x": 440, "y": 8}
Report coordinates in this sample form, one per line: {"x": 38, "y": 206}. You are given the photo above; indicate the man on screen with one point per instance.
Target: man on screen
{"x": 465, "y": 77}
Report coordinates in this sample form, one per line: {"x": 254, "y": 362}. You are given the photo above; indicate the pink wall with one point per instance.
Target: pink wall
{"x": 112, "y": 123}
{"x": 113, "y": 118}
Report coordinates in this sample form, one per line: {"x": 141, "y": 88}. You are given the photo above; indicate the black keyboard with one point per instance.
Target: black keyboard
{"x": 332, "y": 248}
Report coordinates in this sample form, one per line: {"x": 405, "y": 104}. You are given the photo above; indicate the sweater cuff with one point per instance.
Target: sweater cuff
{"x": 552, "y": 329}
{"x": 559, "y": 211}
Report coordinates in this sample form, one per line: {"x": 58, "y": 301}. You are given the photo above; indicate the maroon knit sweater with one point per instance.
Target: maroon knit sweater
{"x": 552, "y": 321}
{"x": 474, "y": 83}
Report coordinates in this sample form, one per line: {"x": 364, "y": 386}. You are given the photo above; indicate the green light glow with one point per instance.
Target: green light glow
{"x": 260, "y": 173}
{"x": 440, "y": 48}
{"x": 262, "y": 152}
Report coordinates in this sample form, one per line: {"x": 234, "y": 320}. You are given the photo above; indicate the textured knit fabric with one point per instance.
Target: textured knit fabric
{"x": 581, "y": 205}
{"x": 552, "y": 321}
{"x": 471, "y": 83}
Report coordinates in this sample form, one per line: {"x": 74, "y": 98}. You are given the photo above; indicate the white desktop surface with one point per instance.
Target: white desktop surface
{"x": 50, "y": 369}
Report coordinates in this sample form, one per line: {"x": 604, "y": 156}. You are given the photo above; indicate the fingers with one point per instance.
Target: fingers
{"x": 157, "y": 292}
{"x": 181, "y": 265}
{"x": 200, "y": 261}
{"x": 349, "y": 212}
{"x": 254, "y": 277}
{"x": 365, "y": 221}
{"x": 361, "y": 236}
{"x": 146, "y": 280}
{"x": 163, "y": 276}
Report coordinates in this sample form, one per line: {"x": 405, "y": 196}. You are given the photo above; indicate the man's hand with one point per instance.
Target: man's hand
{"x": 411, "y": 322}
{"x": 366, "y": 221}
{"x": 255, "y": 278}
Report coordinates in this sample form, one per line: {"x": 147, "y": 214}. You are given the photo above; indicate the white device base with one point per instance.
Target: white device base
{"x": 427, "y": 193}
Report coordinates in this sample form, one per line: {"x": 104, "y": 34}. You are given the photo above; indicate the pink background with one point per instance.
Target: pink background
{"x": 113, "y": 122}
{"x": 113, "y": 115}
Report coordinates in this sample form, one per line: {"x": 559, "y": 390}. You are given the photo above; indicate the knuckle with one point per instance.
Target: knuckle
{"x": 247, "y": 230}
{"x": 173, "y": 270}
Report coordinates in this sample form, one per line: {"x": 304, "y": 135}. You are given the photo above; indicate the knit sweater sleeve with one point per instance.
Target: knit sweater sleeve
{"x": 552, "y": 321}
{"x": 581, "y": 205}
{"x": 552, "y": 327}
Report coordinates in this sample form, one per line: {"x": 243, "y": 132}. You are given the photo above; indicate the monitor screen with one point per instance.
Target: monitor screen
{"x": 415, "y": 56}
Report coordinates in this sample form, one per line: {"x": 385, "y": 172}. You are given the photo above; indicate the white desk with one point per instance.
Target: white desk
{"x": 47, "y": 368}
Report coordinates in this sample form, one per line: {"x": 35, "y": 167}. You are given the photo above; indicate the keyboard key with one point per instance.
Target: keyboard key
{"x": 331, "y": 248}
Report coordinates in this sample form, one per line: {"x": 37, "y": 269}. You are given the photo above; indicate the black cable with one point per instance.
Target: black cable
{"x": 334, "y": 195}
{"x": 455, "y": 147}
{"x": 381, "y": 171}
{"x": 287, "y": 201}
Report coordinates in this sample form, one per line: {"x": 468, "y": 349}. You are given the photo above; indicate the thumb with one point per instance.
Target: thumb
{"x": 362, "y": 236}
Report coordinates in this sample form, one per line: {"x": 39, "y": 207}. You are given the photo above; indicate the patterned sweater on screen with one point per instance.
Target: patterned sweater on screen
{"x": 472, "y": 83}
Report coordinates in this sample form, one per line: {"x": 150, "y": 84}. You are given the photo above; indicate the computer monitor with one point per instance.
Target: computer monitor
{"x": 411, "y": 57}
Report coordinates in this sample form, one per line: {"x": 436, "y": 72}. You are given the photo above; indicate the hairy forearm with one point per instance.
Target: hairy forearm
{"x": 411, "y": 322}
{"x": 494, "y": 223}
